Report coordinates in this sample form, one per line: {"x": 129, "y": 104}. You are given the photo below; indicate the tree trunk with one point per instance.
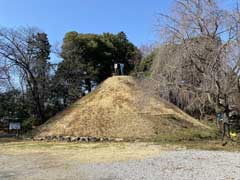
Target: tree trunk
{"x": 37, "y": 101}
{"x": 39, "y": 108}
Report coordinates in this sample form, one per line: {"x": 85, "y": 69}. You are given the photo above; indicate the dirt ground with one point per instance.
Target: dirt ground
{"x": 29, "y": 160}
{"x": 47, "y": 160}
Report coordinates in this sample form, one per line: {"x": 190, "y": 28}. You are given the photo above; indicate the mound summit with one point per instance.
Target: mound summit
{"x": 115, "y": 110}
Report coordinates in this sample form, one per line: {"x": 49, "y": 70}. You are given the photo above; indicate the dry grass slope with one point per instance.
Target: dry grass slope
{"x": 113, "y": 110}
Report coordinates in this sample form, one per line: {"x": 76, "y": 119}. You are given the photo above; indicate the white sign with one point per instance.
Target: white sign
{"x": 14, "y": 126}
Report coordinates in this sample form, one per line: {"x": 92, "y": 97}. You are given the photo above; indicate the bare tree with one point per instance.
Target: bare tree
{"x": 18, "y": 52}
{"x": 5, "y": 78}
{"x": 198, "y": 65}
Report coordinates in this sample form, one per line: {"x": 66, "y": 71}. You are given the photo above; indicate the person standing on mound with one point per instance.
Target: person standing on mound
{"x": 115, "y": 69}
{"x": 121, "y": 68}
{"x": 118, "y": 69}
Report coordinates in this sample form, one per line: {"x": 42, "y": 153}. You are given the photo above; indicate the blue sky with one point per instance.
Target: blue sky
{"x": 56, "y": 17}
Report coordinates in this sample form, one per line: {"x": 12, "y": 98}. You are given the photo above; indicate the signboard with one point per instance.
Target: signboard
{"x": 14, "y": 126}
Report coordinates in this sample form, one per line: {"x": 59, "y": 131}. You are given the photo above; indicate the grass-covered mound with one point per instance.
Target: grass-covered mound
{"x": 116, "y": 109}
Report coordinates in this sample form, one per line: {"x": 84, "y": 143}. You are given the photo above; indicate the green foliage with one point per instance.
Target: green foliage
{"x": 191, "y": 134}
{"x": 88, "y": 59}
{"x": 146, "y": 63}
{"x": 28, "y": 123}
{"x": 13, "y": 105}
{"x": 39, "y": 72}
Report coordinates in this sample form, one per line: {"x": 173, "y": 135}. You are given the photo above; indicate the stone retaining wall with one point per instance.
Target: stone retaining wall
{"x": 76, "y": 139}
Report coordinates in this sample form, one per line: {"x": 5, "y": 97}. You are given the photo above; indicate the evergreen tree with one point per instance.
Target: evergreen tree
{"x": 88, "y": 59}
{"x": 39, "y": 65}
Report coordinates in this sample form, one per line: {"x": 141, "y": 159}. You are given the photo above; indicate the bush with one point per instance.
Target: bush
{"x": 28, "y": 123}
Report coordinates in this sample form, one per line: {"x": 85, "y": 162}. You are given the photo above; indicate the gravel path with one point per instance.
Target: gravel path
{"x": 180, "y": 165}
{"x": 177, "y": 165}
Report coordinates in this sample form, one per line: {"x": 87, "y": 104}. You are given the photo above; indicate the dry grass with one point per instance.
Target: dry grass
{"x": 105, "y": 152}
{"x": 113, "y": 110}
{"x": 210, "y": 145}
{"x": 47, "y": 160}
{"x": 85, "y": 153}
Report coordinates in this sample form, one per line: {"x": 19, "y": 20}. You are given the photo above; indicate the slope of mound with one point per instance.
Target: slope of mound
{"x": 115, "y": 109}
